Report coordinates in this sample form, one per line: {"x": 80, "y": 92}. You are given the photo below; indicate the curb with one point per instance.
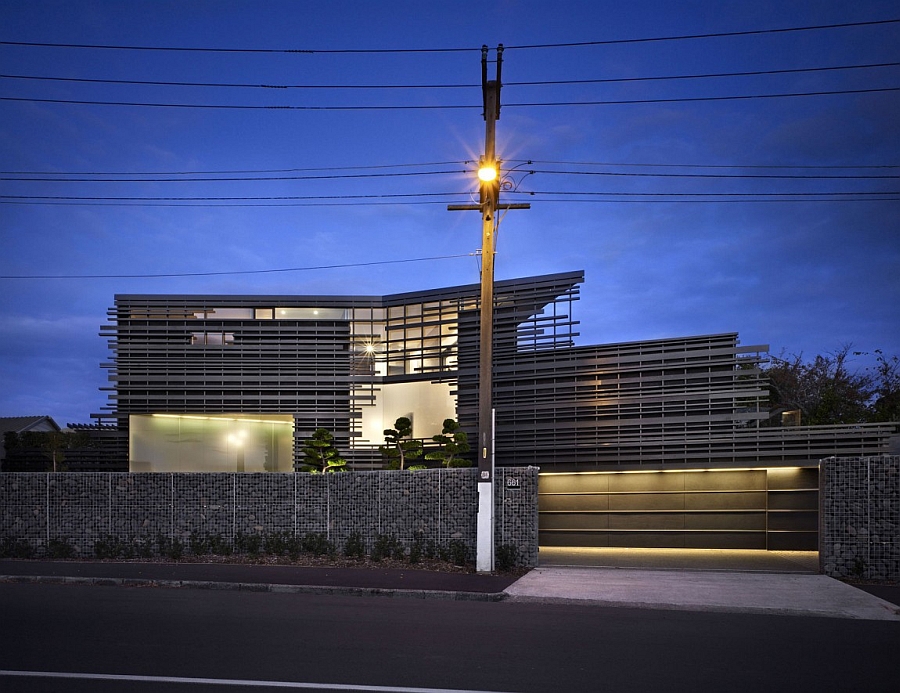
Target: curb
{"x": 890, "y": 614}
{"x": 256, "y": 587}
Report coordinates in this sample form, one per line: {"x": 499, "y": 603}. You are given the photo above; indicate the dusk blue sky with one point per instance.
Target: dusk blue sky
{"x": 777, "y": 217}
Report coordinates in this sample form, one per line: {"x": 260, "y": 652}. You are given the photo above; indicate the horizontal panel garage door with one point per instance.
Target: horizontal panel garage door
{"x": 775, "y": 509}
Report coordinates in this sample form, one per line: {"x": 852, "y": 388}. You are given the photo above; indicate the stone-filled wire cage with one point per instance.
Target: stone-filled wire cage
{"x": 860, "y": 517}
{"x": 436, "y": 506}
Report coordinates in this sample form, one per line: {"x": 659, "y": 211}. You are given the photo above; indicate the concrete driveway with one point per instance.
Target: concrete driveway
{"x": 761, "y": 582}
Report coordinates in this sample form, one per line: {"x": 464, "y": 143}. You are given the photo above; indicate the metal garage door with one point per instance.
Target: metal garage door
{"x": 773, "y": 508}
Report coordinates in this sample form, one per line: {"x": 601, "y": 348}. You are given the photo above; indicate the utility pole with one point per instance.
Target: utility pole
{"x": 489, "y": 204}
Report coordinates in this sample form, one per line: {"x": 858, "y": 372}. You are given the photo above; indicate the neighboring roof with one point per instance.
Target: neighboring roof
{"x": 20, "y": 424}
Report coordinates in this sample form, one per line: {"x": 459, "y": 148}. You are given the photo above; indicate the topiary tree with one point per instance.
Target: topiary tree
{"x": 320, "y": 456}
{"x": 396, "y": 451}
{"x": 454, "y": 443}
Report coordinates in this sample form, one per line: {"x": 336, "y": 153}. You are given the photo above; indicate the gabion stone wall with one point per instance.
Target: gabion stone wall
{"x": 438, "y": 505}
{"x": 860, "y": 517}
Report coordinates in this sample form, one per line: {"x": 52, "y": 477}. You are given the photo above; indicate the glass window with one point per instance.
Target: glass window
{"x": 212, "y": 338}
{"x": 310, "y": 314}
{"x": 230, "y": 313}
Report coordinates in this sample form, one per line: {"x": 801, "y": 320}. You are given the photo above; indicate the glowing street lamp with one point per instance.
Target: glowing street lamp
{"x": 487, "y": 173}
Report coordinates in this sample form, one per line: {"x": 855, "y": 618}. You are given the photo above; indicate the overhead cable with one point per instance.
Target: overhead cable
{"x": 228, "y": 273}
{"x": 425, "y": 107}
{"x": 576, "y": 44}
{"x": 563, "y": 82}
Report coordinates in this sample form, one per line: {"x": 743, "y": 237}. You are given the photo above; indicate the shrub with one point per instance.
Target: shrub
{"x": 60, "y": 548}
{"x": 431, "y": 549}
{"x": 294, "y": 546}
{"x": 250, "y": 544}
{"x": 507, "y": 557}
{"x": 219, "y": 545}
{"x": 143, "y": 547}
{"x": 278, "y": 543}
{"x": 386, "y": 546}
{"x": 355, "y": 546}
{"x": 317, "y": 544}
{"x": 415, "y": 552}
{"x": 15, "y": 548}
{"x": 199, "y": 544}
{"x": 170, "y": 548}
{"x": 458, "y": 552}
{"x": 106, "y": 547}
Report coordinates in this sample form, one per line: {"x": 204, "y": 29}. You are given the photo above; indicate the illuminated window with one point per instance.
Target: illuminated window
{"x": 225, "y": 314}
{"x": 311, "y": 314}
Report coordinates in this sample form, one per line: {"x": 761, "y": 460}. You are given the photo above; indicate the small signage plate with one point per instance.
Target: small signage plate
{"x": 514, "y": 483}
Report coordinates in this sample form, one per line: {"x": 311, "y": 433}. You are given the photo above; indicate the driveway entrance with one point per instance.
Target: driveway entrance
{"x": 774, "y": 508}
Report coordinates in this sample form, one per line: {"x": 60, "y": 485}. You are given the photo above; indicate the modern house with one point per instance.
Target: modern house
{"x": 653, "y": 443}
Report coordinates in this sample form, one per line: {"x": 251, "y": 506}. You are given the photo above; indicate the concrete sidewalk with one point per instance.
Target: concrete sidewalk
{"x": 799, "y": 593}
{"x": 741, "y": 592}
{"x": 357, "y": 581}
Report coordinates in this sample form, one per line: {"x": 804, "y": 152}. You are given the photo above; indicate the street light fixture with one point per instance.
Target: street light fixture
{"x": 487, "y": 173}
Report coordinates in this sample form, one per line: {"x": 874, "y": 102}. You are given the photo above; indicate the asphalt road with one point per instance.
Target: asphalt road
{"x": 348, "y": 643}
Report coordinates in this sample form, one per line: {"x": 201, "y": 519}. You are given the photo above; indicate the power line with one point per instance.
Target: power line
{"x": 216, "y": 199}
{"x": 713, "y": 166}
{"x": 231, "y": 171}
{"x": 701, "y": 200}
{"x": 602, "y": 174}
{"x": 197, "y": 49}
{"x": 399, "y": 199}
{"x": 712, "y": 194}
{"x": 721, "y": 34}
{"x": 750, "y": 73}
{"x": 242, "y": 107}
{"x": 236, "y": 272}
{"x": 345, "y": 203}
{"x": 452, "y": 163}
{"x": 688, "y": 99}
{"x": 617, "y": 174}
{"x": 364, "y": 51}
{"x": 234, "y": 85}
{"x": 348, "y": 176}
{"x": 608, "y": 80}
{"x": 411, "y": 107}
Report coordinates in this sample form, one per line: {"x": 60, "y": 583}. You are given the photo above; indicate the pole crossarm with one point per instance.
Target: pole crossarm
{"x": 477, "y": 208}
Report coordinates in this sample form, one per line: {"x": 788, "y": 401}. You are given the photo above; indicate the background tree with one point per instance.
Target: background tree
{"x": 320, "y": 456}
{"x": 826, "y": 391}
{"x": 886, "y": 406}
{"x": 398, "y": 448}
{"x": 41, "y": 450}
{"x": 454, "y": 442}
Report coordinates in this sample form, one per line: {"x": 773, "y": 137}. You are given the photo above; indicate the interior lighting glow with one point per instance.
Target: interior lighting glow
{"x": 222, "y": 418}
{"x": 674, "y": 471}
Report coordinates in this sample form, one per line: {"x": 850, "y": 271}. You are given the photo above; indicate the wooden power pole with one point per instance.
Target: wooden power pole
{"x": 489, "y": 203}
